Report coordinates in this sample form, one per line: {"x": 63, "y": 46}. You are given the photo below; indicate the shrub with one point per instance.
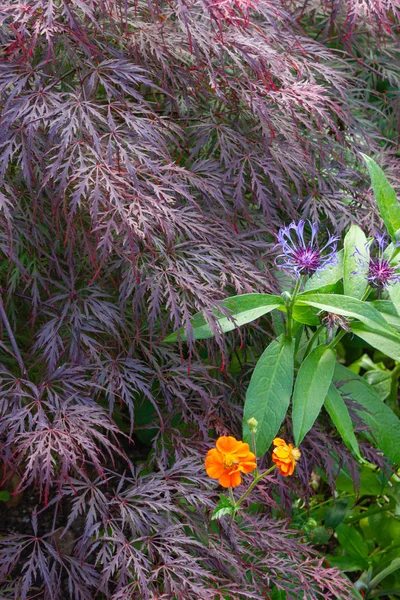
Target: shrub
{"x": 146, "y": 148}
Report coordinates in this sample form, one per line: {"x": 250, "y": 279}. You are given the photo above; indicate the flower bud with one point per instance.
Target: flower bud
{"x": 311, "y": 524}
{"x": 252, "y": 423}
{"x": 286, "y": 297}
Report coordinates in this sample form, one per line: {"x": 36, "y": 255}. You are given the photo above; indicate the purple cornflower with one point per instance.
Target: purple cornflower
{"x": 380, "y": 272}
{"x": 301, "y": 257}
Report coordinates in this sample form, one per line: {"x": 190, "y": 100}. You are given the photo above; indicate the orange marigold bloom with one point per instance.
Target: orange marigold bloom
{"x": 228, "y": 460}
{"x": 285, "y": 456}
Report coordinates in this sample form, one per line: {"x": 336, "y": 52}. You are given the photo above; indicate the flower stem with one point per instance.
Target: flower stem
{"x": 337, "y": 339}
{"x": 254, "y": 449}
{"x": 313, "y": 338}
{"x": 289, "y": 321}
{"x": 253, "y": 484}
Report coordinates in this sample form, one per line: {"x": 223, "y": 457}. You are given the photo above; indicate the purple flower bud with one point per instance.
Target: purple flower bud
{"x": 304, "y": 257}
{"x": 332, "y": 322}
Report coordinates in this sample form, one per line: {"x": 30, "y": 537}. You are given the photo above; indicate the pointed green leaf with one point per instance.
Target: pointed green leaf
{"x": 355, "y": 263}
{"x": 388, "y": 311}
{"x": 240, "y": 310}
{"x": 386, "y": 342}
{"x": 339, "y": 413}
{"x": 348, "y": 307}
{"x": 269, "y": 391}
{"x": 382, "y": 422}
{"x": 394, "y": 293}
{"x": 224, "y": 507}
{"x": 352, "y": 541}
{"x": 394, "y": 566}
{"x": 385, "y": 195}
{"x": 380, "y": 381}
{"x": 312, "y": 384}
{"x": 328, "y": 276}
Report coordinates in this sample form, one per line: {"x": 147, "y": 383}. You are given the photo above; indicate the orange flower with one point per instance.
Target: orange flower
{"x": 228, "y": 460}
{"x": 285, "y": 456}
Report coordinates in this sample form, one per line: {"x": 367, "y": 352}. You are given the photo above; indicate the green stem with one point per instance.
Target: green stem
{"x": 256, "y": 480}
{"x": 337, "y": 339}
{"x": 289, "y": 320}
{"x": 313, "y": 338}
{"x": 254, "y": 449}
{"x": 310, "y": 511}
{"x": 366, "y": 293}
{"x": 367, "y": 513}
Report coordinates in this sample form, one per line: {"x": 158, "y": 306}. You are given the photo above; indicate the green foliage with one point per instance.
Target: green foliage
{"x": 383, "y": 423}
{"x": 312, "y": 384}
{"x": 339, "y": 413}
{"x": 385, "y": 196}
{"x": 317, "y": 312}
{"x": 355, "y": 263}
{"x": 328, "y": 277}
{"x": 224, "y": 507}
{"x": 347, "y": 307}
{"x": 239, "y": 311}
{"x": 386, "y": 341}
{"x": 361, "y": 528}
{"x": 269, "y": 391}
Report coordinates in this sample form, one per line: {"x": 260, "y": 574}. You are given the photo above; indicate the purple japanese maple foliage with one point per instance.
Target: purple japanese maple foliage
{"x": 149, "y": 152}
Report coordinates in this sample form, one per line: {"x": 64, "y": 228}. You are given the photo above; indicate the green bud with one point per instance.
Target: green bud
{"x": 252, "y": 423}
{"x": 286, "y": 297}
{"x": 311, "y": 524}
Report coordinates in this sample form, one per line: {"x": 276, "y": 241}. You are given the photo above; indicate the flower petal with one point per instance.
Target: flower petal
{"x": 214, "y": 464}
{"x": 247, "y": 466}
{"x": 243, "y": 450}
{"x": 227, "y": 444}
{"x": 236, "y": 479}
{"x": 279, "y": 442}
{"x": 225, "y": 479}
{"x": 282, "y": 453}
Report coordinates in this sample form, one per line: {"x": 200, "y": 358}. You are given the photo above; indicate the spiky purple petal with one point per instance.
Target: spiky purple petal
{"x": 301, "y": 257}
{"x": 381, "y": 271}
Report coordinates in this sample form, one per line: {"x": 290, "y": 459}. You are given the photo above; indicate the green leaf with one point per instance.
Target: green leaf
{"x": 381, "y": 381}
{"x": 355, "y": 263}
{"x": 306, "y": 315}
{"x": 242, "y": 309}
{"x": 383, "y": 423}
{"x": 278, "y": 322}
{"x": 335, "y": 514}
{"x": 385, "y": 527}
{"x": 312, "y": 383}
{"x": 338, "y": 412}
{"x": 394, "y": 565}
{"x": 352, "y": 542}
{"x": 388, "y": 311}
{"x": 371, "y": 483}
{"x": 269, "y": 391}
{"x": 328, "y": 276}
{"x": 394, "y": 293}
{"x": 4, "y": 496}
{"x": 347, "y": 563}
{"x": 386, "y": 342}
{"x": 224, "y": 507}
{"x": 385, "y": 196}
{"x": 347, "y": 307}
{"x": 366, "y": 363}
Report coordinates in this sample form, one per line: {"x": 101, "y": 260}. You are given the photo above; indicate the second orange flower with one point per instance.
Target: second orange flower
{"x": 285, "y": 456}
